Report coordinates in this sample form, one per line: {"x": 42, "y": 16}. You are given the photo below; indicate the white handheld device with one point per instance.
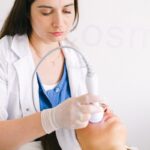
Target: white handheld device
{"x": 92, "y": 86}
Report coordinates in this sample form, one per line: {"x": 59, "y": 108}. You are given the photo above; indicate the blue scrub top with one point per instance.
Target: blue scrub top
{"x": 53, "y": 97}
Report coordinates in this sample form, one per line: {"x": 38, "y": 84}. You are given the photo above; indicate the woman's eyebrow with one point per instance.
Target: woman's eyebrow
{"x": 46, "y": 6}
{"x": 72, "y": 4}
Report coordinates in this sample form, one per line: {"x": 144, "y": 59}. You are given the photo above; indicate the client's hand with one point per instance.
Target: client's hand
{"x": 109, "y": 134}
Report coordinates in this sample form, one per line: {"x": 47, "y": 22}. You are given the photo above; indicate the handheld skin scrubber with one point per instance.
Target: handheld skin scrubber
{"x": 92, "y": 86}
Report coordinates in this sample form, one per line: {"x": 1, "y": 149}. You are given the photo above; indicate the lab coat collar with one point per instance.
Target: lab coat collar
{"x": 20, "y": 45}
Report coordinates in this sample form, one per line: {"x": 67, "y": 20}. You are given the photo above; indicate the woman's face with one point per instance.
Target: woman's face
{"x": 103, "y": 135}
{"x": 51, "y": 20}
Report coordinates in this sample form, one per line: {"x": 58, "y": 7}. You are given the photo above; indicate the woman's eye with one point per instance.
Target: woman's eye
{"x": 67, "y": 12}
{"x": 46, "y": 14}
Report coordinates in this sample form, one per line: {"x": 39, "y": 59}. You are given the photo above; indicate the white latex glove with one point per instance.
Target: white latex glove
{"x": 73, "y": 113}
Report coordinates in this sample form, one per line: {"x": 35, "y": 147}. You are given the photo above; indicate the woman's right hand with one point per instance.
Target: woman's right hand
{"x": 73, "y": 113}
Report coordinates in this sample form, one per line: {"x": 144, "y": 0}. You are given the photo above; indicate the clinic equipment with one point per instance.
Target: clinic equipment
{"x": 92, "y": 86}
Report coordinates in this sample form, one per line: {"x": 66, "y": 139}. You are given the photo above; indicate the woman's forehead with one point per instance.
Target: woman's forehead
{"x": 63, "y": 2}
{"x": 55, "y": 3}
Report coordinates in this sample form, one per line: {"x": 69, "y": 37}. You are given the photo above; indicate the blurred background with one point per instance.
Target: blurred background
{"x": 115, "y": 36}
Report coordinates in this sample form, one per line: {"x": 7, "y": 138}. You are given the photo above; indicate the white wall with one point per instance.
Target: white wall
{"x": 116, "y": 36}
{"x": 4, "y": 9}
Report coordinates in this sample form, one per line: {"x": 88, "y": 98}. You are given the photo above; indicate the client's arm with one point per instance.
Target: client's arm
{"x": 109, "y": 134}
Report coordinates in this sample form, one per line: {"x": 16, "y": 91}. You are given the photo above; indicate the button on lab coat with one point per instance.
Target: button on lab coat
{"x": 16, "y": 70}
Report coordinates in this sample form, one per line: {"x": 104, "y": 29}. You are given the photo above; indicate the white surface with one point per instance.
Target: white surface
{"x": 115, "y": 35}
{"x": 32, "y": 146}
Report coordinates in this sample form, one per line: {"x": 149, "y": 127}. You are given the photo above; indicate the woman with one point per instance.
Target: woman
{"x": 32, "y": 28}
{"x": 109, "y": 134}
{"x": 61, "y": 103}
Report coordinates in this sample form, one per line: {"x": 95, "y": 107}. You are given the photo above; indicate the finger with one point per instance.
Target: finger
{"x": 80, "y": 125}
{"x": 89, "y": 98}
{"x": 84, "y": 117}
{"x": 89, "y": 108}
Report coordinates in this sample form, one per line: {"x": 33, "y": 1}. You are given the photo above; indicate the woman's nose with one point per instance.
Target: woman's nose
{"x": 58, "y": 21}
{"x": 106, "y": 108}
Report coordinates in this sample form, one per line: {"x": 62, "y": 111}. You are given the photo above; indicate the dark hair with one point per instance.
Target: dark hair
{"x": 18, "y": 20}
{"x": 50, "y": 142}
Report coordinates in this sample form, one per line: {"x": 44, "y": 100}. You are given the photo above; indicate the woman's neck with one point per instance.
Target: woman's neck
{"x": 40, "y": 47}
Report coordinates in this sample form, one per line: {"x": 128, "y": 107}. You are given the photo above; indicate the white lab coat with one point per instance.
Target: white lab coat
{"x": 16, "y": 69}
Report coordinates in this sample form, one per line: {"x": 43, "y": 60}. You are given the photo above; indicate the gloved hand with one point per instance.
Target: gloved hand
{"x": 73, "y": 113}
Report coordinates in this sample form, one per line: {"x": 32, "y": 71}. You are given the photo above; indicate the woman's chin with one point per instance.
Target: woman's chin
{"x": 57, "y": 38}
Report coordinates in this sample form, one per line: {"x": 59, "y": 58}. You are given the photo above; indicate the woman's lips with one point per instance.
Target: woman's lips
{"x": 107, "y": 117}
{"x": 57, "y": 34}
